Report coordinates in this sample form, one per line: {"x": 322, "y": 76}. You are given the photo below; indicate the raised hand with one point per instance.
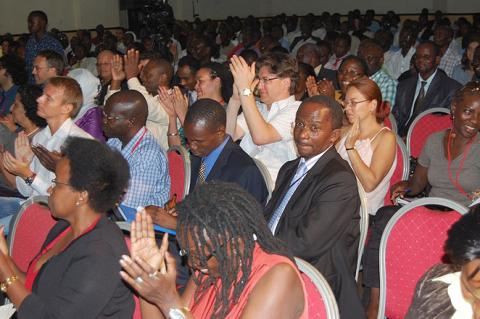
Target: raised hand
{"x": 15, "y": 166}
{"x": 244, "y": 76}
{"x": 130, "y": 61}
{"x": 166, "y": 98}
{"x": 118, "y": 74}
{"x": 312, "y": 87}
{"x": 180, "y": 103}
{"x": 143, "y": 241}
{"x": 23, "y": 151}
{"x": 325, "y": 87}
{"x": 353, "y": 134}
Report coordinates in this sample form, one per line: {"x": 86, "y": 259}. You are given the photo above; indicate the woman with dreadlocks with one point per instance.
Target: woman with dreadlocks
{"x": 239, "y": 269}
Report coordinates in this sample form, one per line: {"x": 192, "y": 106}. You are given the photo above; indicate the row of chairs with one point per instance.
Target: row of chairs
{"x": 31, "y": 225}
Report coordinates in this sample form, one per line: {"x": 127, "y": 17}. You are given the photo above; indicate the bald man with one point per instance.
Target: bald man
{"x": 157, "y": 72}
{"x": 124, "y": 123}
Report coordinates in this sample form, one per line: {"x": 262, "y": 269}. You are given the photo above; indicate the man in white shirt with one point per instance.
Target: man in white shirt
{"x": 34, "y": 165}
{"x": 399, "y": 61}
{"x": 156, "y": 73}
{"x": 264, "y": 126}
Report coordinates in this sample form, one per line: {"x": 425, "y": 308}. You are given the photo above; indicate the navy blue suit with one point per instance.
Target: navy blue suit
{"x": 235, "y": 166}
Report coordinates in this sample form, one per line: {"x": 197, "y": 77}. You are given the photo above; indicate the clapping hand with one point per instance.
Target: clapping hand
{"x": 118, "y": 74}
{"x": 325, "y": 87}
{"x": 143, "y": 241}
{"x": 23, "y": 151}
{"x": 48, "y": 159}
{"x": 166, "y": 98}
{"x": 353, "y": 134}
{"x": 244, "y": 76}
{"x": 312, "y": 87}
{"x": 130, "y": 61}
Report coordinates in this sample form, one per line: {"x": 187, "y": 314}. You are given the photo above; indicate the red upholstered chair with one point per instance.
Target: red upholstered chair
{"x": 30, "y": 228}
{"x": 179, "y": 171}
{"x": 391, "y": 123}
{"x": 425, "y": 124}
{"x": 402, "y": 169}
{"x": 321, "y": 301}
{"x": 411, "y": 243}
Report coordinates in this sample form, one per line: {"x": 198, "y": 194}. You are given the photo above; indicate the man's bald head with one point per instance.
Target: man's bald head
{"x": 124, "y": 114}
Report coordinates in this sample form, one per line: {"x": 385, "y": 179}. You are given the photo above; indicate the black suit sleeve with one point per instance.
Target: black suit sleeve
{"x": 87, "y": 287}
{"x": 252, "y": 181}
{"x": 333, "y": 206}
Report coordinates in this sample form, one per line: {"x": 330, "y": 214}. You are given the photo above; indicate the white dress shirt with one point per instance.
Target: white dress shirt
{"x": 397, "y": 63}
{"x": 273, "y": 155}
{"x": 54, "y": 142}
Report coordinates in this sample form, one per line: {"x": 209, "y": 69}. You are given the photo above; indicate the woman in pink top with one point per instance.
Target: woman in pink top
{"x": 239, "y": 269}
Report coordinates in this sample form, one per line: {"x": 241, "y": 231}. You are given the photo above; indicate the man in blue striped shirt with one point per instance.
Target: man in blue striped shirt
{"x": 124, "y": 119}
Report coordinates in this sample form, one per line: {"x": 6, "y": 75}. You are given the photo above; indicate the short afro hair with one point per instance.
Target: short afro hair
{"x": 98, "y": 170}
{"x": 28, "y": 96}
{"x": 15, "y": 67}
{"x": 208, "y": 111}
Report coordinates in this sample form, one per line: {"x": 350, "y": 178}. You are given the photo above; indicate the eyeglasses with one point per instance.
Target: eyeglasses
{"x": 112, "y": 117}
{"x": 352, "y": 103}
{"x": 266, "y": 80}
{"x": 314, "y": 129}
{"x": 55, "y": 183}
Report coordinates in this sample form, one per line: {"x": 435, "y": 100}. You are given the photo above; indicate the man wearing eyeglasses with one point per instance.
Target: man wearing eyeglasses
{"x": 265, "y": 125}
{"x": 47, "y": 64}
{"x": 314, "y": 207}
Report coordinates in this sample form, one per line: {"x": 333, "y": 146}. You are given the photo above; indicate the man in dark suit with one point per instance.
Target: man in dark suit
{"x": 317, "y": 56}
{"x": 314, "y": 208}
{"x": 430, "y": 88}
{"x": 214, "y": 155}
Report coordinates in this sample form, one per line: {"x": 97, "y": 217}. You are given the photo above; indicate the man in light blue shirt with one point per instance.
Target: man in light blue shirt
{"x": 124, "y": 119}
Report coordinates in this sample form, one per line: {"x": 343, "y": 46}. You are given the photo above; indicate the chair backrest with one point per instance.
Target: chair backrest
{"x": 391, "y": 123}
{"x": 426, "y": 123}
{"x": 137, "y": 314}
{"x": 321, "y": 301}
{"x": 179, "y": 171}
{"x": 30, "y": 228}
{"x": 411, "y": 243}
{"x": 401, "y": 171}
{"x": 364, "y": 215}
{"x": 266, "y": 177}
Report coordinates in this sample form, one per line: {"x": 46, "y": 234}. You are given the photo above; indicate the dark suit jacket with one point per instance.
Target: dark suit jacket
{"x": 83, "y": 280}
{"x": 320, "y": 223}
{"x": 330, "y": 75}
{"x": 235, "y": 166}
{"x": 439, "y": 94}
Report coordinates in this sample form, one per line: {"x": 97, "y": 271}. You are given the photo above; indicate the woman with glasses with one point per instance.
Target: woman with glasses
{"x": 369, "y": 146}
{"x": 76, "y": 272}
{"x": 448, "y": 163}
{"x": 239, "y": 269}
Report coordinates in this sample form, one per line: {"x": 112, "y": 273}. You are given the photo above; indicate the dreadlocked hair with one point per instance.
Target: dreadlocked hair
{"x": 227, "y": 216}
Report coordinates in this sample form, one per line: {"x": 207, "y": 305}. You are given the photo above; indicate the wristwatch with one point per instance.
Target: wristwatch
{"x": 178, "y": 313}
{"x": 29, "y": 179}
{"x": 246, "y": 92}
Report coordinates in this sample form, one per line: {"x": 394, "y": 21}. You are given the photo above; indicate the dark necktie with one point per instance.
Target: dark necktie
{"x": 201, "y": 173}
{"x": 417, "y": 107}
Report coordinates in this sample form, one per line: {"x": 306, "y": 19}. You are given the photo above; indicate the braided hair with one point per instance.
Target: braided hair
{"x": 225, "y": 220}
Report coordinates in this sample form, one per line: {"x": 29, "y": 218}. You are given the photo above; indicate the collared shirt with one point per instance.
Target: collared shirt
{"x": 211, "y": 158}
{"x": 334, "y": 62}
{"x": 295, "y": 182}
{"x": 450, "y": 59}
{"x": 6, "y": 99}
{"x": 396, "y": 63}
{"x": 149, "y": 178}
{"x": 273, "y": 155}
{"x": 157, "y": 120}
{"x": 317, "y": 69}
{"x": 387, "y": 85}
{"x": 419, "y": 86}
{"x": 34, "y": 46}
{"x": 54, "y": 142}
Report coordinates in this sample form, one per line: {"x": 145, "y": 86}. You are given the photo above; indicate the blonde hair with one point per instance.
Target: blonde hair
{"x": 72, "y": 93}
